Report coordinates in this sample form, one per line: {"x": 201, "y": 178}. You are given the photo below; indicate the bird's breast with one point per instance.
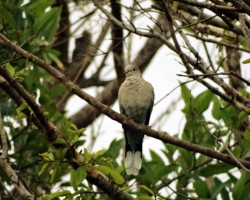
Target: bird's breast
{"x": 136, "y": 98}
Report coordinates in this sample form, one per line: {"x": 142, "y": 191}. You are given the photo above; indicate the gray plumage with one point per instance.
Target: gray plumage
{"x": 136, "y": 99}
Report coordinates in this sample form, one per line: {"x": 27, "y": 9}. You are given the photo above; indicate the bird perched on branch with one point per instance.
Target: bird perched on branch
{"x": 136, "y": 100}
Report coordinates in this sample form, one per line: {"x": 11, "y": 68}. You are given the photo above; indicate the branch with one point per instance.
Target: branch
{"x": 117, "y": 40}
{"x": 214, "y": 8}
{"x": 212, "y": 21}
{"x": 208, "y": 5}
{"x": 108, "y": 187}
{"x": 19, "y": 101}
{"x": 121, "y": 118}
{"x": 19, "y": 185}
{"x": 204, "y": 17}
{"x": 4, "y": 140}
{"x": 241, "y": 6}
{"x": 236, "y": 47}
{"x": 247, "y": 2}
{"x": 51, "y": 131}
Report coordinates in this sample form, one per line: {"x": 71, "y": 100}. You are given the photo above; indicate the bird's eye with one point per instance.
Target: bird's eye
{"x": 133, "y": 69}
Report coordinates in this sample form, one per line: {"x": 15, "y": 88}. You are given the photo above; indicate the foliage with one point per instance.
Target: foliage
{"x": 51, "y": 171}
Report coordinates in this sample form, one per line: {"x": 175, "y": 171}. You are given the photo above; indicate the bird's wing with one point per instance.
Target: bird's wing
{"x": 149, "y": 114}
{"x": 150, "y": 109}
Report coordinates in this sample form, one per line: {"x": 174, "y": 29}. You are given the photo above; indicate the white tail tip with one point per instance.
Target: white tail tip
{"x": 133, "y": 162}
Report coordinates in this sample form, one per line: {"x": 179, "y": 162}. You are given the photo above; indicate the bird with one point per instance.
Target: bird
{"x": 136, "y": 100}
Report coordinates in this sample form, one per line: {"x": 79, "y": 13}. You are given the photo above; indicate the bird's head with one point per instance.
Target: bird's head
{"x": 132, "y": 70}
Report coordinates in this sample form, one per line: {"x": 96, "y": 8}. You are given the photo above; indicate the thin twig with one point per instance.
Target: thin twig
{"x": 217, "y": 74}
{"x": 3, "y": 139}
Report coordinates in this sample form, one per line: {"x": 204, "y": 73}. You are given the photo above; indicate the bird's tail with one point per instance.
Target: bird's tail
{"x": 133, "y": 161}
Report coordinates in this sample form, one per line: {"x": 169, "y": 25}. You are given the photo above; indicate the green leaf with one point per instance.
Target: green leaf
{"x": 57, "y": 90}
{"x": 241, "y": 188}
{"x": 230, "y": 114}
{"x": 36, "y": 8}
{"x": 175, "y": 5}
{"x": 202, "y": 102}
{"x": 77, "y": 176}
{"x": 9, "y": 107}
{"x": 60, "y": 154}
{"x": 44, "y": 167}
{"x": 110, "y": 172}
{"x": 224, "y": 194}
{"x": 47, "y": 156}
{"x": 47, "y": 23}
{"x": 211, "y": 170}
{"x": 151, "y": 192}
{"x": 56, "y": 60}
{"x": 201, "y": 188}
{"x": 60, "y": 141}
{"x": 10, "y": 69}
{"x": 99, "y": 153}
{"x": 243, "y": 116}
{"x": 185, "y": 159}
{"x": 86, "y": 155}
{"x": 71, "y": 133}
{"x": 188, "y": 99}
{"x": 247, "y": 134}
{"x": 114, "y": 148}
{"x": 32, "y": 83}
{"x": 246, "y": 61}
{"x": 8, "y": 18}
{"x": 21, "y": 111}
{"x": 156, "y": 158}
{"x": 53, "y": 175}
{"x": 186, "y": 94}
{"x": 169, "y": 152}
{"x": 216, "y": 110}
{"x": 219, "y": 188}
